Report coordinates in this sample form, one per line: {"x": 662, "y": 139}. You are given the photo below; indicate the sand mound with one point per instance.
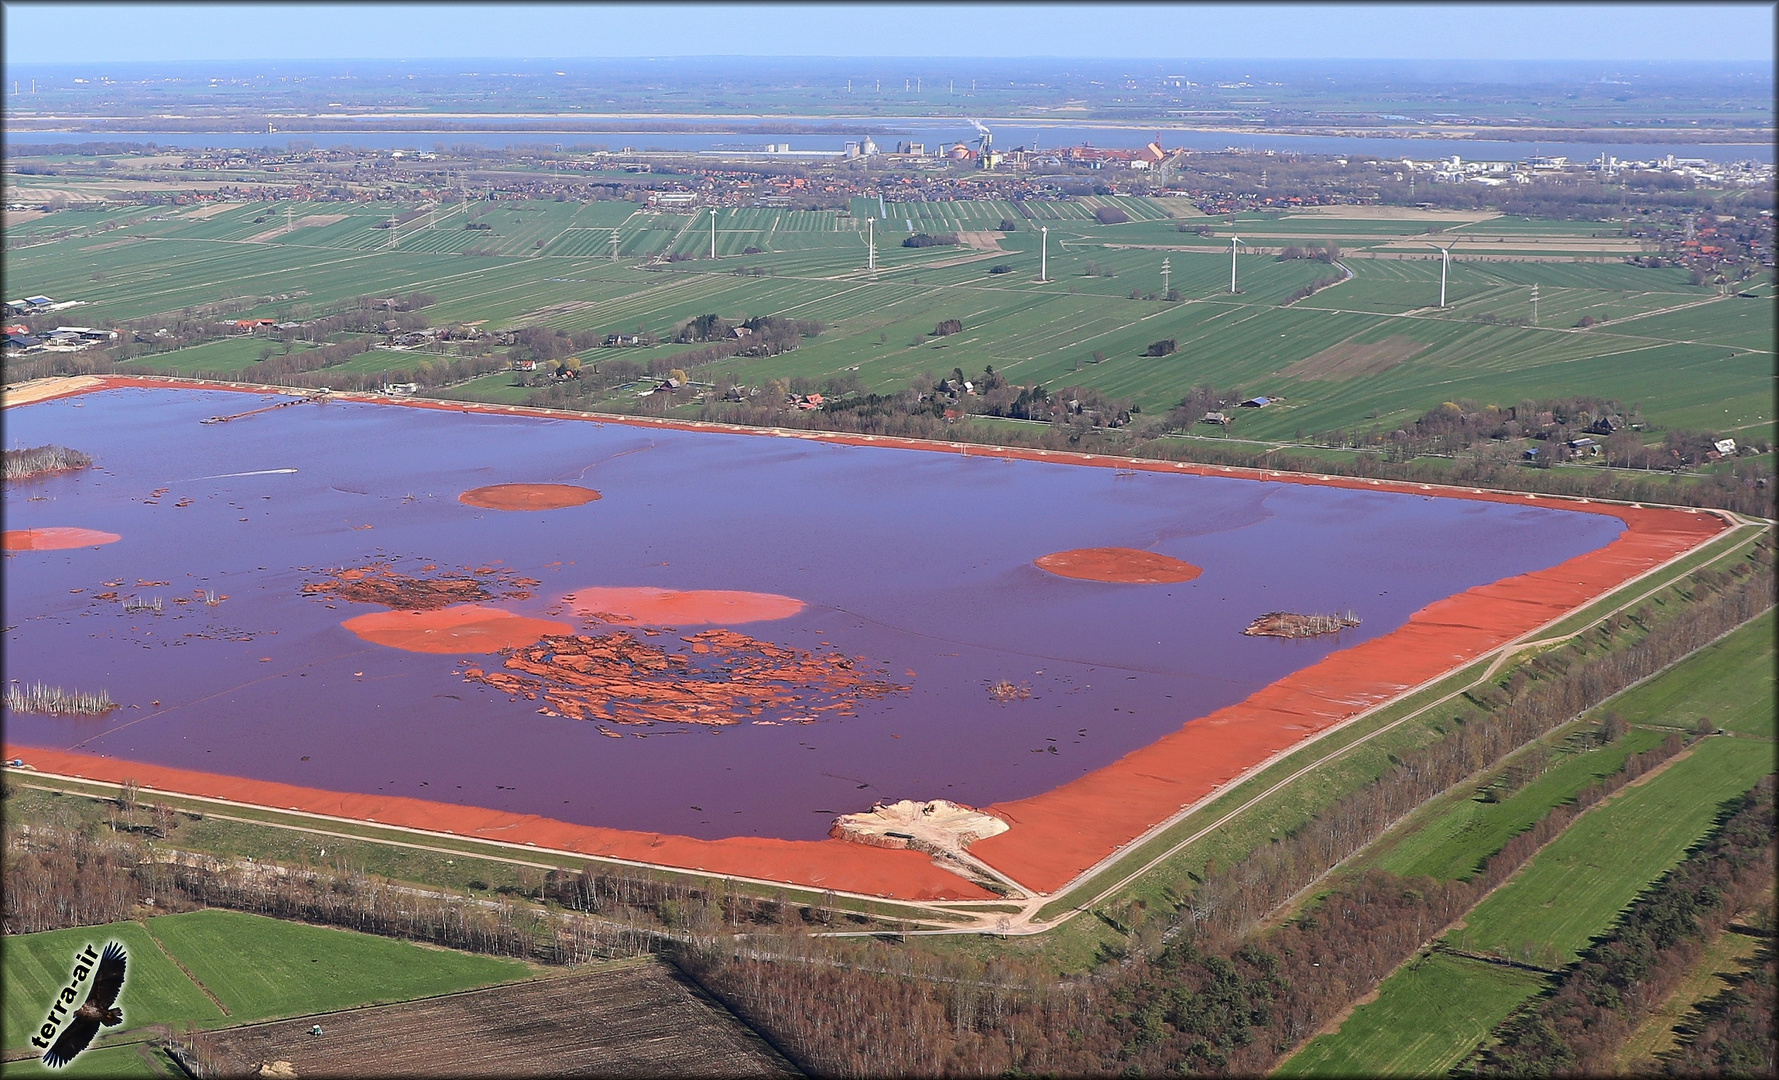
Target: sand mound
{"x": 938, "y": 827}
{"x": 55, "y": 538}
{"x": 466, "y": 628}
{"x": 1126, "y": 566}
{"x": 528, "y": 496}
{"x": 672, "y": 607}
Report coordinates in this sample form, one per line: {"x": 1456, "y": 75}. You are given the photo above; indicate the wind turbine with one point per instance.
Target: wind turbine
{"x": 1445, "y": 261}
{"x": 871, "y": 244}
{"x": 1043, "y": 254}
{"x": 1233, "y": 241}
{"x": 713, "y": 233}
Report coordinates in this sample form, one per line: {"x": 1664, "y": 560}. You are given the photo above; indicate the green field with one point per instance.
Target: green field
{"x": 224, "y": 357}
{"x": 1572, "y": 890}
{"x": 1426, "y": 1019}
{"x": 1431, "y": 1014}
{"x": 130, "y": 1060}
{"x": 38, "y": 965}
{"x": 1689, "y": 357}
{"x": 257, "y": 968}
{"x": 260, "y": 967}
{"x": 1454, "y": 843}
{"x": 1730, "y": 683}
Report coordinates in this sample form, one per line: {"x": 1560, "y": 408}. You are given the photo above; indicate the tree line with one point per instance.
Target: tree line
{"x": 1576, "y": 1029}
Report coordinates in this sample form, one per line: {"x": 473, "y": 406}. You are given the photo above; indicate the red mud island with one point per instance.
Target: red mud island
{"x": 465, "y": 628}
{"x": 669, "y": 607}
{"x": 437, "y": 614}
{"x": 56, "y": 538}
{"x": 724, "y": 678}
{"x": 528, "y": 496}
{"x": 1124, "y": 566}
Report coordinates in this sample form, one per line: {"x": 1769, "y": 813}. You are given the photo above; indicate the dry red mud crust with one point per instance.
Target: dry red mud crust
{"x": 723, "y": 678}
{"x": 381, "y": 583}
{"x": 1057, "y": 834}
{"x": 56, "y": 538}
{"x": 822, "y": 864}
{"x": 672, "y": 607}
{"x": 528, "y": 496}
{"x": 1125, "y": 566}
{"x": 467, "y": 628}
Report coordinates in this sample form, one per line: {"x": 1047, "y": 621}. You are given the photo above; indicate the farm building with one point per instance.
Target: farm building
{"x": 1256, "y": 403}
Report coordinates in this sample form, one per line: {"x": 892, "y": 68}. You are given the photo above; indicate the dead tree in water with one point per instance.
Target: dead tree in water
{"x": 1291, "y": 625}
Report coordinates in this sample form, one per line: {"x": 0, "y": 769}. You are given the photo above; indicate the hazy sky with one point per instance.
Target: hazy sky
{"x": 57, "y": 33}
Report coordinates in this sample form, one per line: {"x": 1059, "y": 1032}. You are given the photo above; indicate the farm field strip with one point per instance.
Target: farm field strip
{"x": 1423, "y": 1021}
{"x": 1570, "y": 892}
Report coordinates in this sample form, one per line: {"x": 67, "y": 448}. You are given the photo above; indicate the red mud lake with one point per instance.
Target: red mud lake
{"x": 899, "y": 587}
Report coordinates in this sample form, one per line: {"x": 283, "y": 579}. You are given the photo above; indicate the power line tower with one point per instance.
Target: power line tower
{"x": 1534, "y": 304}
{"x": 1165, "y": 271}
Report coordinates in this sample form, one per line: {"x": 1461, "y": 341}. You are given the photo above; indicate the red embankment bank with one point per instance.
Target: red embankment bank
{"x": 1058, "y": 834}
{"x": 821, "y": 864}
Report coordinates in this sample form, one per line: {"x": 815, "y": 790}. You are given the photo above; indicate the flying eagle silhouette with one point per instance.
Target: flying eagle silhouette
{"x": 108, "y": 980}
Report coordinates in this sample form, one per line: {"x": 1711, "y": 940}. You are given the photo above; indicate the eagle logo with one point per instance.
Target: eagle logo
{"x": 97, "y": 1011}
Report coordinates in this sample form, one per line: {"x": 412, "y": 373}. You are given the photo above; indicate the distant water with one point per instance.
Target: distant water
{"x": 888, "y": 132}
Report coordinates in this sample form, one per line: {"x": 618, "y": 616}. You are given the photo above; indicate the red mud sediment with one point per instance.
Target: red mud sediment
{"x": 381, "y": 583}
{"x": 1057, "y": 834}
{"x": 724, "y": 678}
{"x": 822, "y": 864}
{"x": 465, "y": 628}
{"x": 1125, "y": 566}
{"x": 56, "y": 538}
{"x": 1062, "y": 832}
{"x": 528, "y": 496}
{"x": 671, "y": 607}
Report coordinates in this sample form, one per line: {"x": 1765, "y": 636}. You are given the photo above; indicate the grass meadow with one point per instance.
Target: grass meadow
{"x": 213, "y": 968}
{"x": 1689, "y": 357}
{"x": 1433, "y": 1012}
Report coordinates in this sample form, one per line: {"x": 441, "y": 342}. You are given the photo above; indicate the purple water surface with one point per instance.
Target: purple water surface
{"x": 920, "y": 561}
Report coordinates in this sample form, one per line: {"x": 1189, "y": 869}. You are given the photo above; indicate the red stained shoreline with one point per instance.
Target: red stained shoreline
{"x": 1058, "y": 834}
{"x": 56, "y": 538}
{"x": 822, "y": 864}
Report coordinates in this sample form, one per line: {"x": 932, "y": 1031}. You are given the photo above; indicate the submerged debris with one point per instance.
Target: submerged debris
{"x": 1009, "y": 691}
{"x": 1291, "y": 625}
{"x": 381, "y": 583}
